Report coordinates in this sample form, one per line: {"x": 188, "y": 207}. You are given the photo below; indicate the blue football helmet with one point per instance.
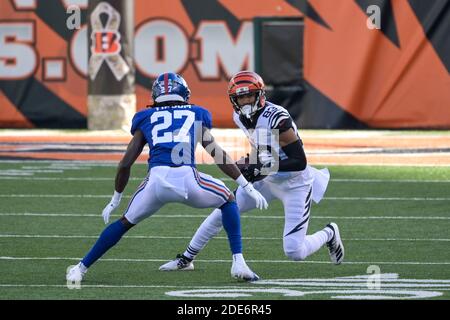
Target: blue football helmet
{"x": 170, "y": 86}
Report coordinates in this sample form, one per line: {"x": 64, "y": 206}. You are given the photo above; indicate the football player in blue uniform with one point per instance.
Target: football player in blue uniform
{"x": 172, "y": 127}
{"x": 279, "y": 170}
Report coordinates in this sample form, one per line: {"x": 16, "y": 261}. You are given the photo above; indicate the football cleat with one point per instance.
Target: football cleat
{"x": 335, "y": 245}
{"x": 180, "y": 263}
{"x": 240, "y": 270}
{"x": 75, "y": 274}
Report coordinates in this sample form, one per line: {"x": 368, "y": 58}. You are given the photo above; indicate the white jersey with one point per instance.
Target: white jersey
{"x": 263, "y": 135}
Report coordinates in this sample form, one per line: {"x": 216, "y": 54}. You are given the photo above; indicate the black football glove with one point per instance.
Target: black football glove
{"x": 251, "y": 172}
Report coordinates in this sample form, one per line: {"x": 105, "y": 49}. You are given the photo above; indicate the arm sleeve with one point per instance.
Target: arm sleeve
{"x": 276, "y": 119}
{"x": 296, "y": 160}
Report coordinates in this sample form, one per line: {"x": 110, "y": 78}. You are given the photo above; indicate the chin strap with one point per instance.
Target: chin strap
{"x": 247, "y": 111}
{"x": 253, "y": 108}
{"x": 256, "y": 106}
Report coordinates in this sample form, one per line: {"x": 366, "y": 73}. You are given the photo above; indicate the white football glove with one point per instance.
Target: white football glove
{"x": 261, "y": 202}
{"x": 111, "y": 206}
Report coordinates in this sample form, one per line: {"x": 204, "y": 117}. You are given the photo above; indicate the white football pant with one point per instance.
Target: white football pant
{"x": 296, "y": 191}
{"x": 175, "y": 184}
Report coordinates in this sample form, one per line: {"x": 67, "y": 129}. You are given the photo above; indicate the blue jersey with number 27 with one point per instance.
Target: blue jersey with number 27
{"x": 172, "y": 133}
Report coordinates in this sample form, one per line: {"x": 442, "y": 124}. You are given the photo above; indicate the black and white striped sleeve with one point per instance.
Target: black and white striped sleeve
{"x": 280, "y": 120}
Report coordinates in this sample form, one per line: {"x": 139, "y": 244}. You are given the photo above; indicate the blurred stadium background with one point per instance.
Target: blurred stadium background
{"x": 370, "y": 94}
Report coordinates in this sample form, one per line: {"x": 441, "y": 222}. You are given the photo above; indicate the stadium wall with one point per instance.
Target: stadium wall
{"x": 353, "y": 76}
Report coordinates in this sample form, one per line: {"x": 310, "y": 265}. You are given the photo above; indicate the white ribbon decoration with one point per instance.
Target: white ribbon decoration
{"x": 115, "y": 61}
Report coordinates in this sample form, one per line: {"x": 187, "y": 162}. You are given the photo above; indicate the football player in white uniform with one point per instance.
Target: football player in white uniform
{"x": 278, "y": 168}
{"x": 172, "y": 127}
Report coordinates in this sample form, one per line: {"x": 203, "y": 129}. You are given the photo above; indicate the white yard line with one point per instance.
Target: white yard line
{"x": 368, "y": 180}
{"x": 227, "y": 261}
{"x": 319, "y": 162}
{"x": 105, "y": 163}
{"x": 43, "y": 236}
{"x": 329, "y": 285}
{"x": 325, "y": 198}
{"x": 20, "y": 178}
{"x": 11, "y": 285}
{"x": 385, "y": 199}
{"x": 388, "y": 181}
{"x": 244, "y": 216}
{"x": 131, "y": 286}
{"x": 27, "y": 178}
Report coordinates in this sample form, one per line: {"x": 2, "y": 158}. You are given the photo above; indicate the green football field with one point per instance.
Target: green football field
{"x": 394, "y": 221}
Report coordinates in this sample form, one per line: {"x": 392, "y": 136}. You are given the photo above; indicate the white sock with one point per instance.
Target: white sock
{"x": 238, "y": 257}
{"x": 309, "y": 245}
{"x": 315, "y": 241}
{"x": 210, "y": 227}
{"x": 329, "y": 232}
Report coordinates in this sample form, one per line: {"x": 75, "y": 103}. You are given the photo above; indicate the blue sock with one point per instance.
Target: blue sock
{"x": 232, "y": 224}
{"x": 109, "y": 237}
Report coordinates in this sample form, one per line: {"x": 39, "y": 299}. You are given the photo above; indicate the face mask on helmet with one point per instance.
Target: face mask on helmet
{"x": 242, "y": 86}
{"x": 170, "y": 87}
{"x": 246, "y": 104}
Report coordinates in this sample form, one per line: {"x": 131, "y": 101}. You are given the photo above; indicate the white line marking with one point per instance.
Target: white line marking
{"x": 398, "y": 294}
{"x": 19, "y": 285}
{"x": 228, "y": 261}
{"x": 132, "y": 286}
{"x": 244, "y": 216}
{"x": 56, "y": 196}
{"x": 236, "y": 292}
{"x": 105, "y": 163}
{"x": 382, "y": 217}
{"x": 43, "y": 236}
{"x": 9, "y": 174}
{"x": 11, "y": 285}
{"x": 369, "y": 180}
{"x": 389, "y": 181}
{"x": 326, "y": 198}
{"x": 113, "y": 163}
{"x": 350, "y": 279}
{"x": 386, "y": 199}
{"x": 61, "y": 178}
{"x": 20, "y": 172}
{"x": 364, "y": 284}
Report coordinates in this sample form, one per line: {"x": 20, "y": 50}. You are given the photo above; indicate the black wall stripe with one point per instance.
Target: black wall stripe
{"x": 314, "y": 110}
{"x": 308, "y": 10}
{"x": 53, "y": 13}
{"x": 199, "y": 10}
{"x": 435, "y": 19}
{"x": 41, "y": 106}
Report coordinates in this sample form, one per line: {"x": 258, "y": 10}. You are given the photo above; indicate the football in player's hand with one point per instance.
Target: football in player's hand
{"x": 250, "y": 168}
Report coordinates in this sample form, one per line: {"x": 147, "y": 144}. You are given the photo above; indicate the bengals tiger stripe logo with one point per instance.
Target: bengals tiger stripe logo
{"x": 106, "y": 42}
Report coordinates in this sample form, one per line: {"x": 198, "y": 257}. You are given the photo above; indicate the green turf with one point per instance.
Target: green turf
{"x": 43, "y": 235}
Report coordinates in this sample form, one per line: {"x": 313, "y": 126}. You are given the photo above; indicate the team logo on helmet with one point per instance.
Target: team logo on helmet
{"x": 170, "y": 86}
